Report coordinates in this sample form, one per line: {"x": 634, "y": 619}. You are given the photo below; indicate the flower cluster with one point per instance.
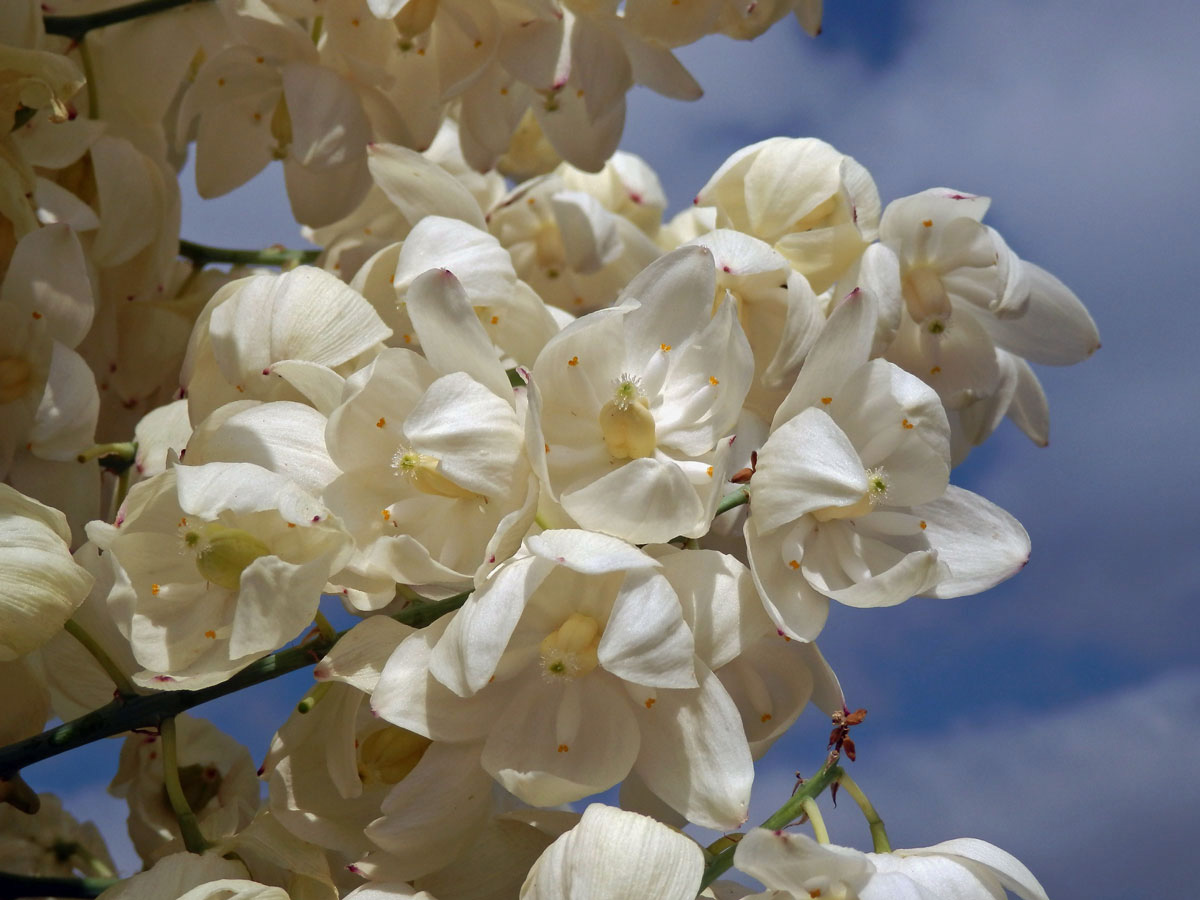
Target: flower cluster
{"x": 631, "y": 461}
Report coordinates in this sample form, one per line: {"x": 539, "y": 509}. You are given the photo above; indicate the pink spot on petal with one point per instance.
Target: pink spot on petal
{"x": 161, "y": 678}
{"x": 726, "y": 269}
{"x": 266, "y": 371}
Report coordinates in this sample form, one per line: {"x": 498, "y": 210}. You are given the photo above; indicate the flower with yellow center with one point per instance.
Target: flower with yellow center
{"x": 576, "y": 664}
{"x": 217, "y": 565}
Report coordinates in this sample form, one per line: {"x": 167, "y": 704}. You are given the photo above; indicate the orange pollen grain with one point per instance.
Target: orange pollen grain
{"x": 826, "y": 400}
{"x": 650, "y": 701}
{"x": 354, "y": 22}
{"x": 928, "y": 223}
{"x": 258, "y": 117}
{"x": 386, "y": 514}
{"x": 154, "y": 589}
{"x": 495, "y": 320}
{"x": 421, "y": 51}
{"x": 259, "y": 59}
{"x": 664, "y": 347}
{"x": 907, "y": 424}
{"x": 240, "y": 389}
{"x": 182, "y": 522}
{"x": 712, "y": 380}
{"x": 407, "y": 338}
{"x": 579, "y": 93}
{"x": 503, "y": 92}
{"x": 210, "y": 634}
{"x": 220, "y": 82}
{"x": 530, "y": 201}
{"x": 709, "y": 470}
{"x": 573, "y": 361}
{"x": 793, "y": 563}
{"x": 547, "y": 448}
{"x": 291, "y": 524}
{"x": 382, "y": 421}
{"x": 935, "y": 370}
{"x": 563, "y": 748}
{"x": 923, "y": 526}
{"x": 765, "y": 717}
{"x": 478, "y": 43}
{"x": 37, "y": 315}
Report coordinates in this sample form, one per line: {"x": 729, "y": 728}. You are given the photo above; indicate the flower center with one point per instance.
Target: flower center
{"x": 15, "y": 377}
{"x": 389, "y": 754}
{"x": 570, "y": 650}
{"x": 926, "y": 298}
{"x": 626, "y": 422}
{"x": 422, "y": 470}
{"x": 223, "y": 553}
{"x": 876, "y": 493}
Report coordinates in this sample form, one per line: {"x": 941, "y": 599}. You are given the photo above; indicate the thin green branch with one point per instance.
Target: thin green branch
{"x": 731, "y": 500}
{"x": 202, "y": 254}
{"x": 879, "y": 836}
{"x": 820, "y": 832}
{"x": 785, "y": 815}
{"x": 100, "y": 655}
{"x": 189, "y": 828}
{"x": 149, "y": 710}
{"x": 75, "y": 27}
{"x": 13, "y": 886}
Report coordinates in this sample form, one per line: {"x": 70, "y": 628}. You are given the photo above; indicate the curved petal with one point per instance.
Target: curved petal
{"x": 979, "y": 543}
{"x": 555, "y": 743}
{"x": 613, "y": 854}
{"x": 694, "y": 753}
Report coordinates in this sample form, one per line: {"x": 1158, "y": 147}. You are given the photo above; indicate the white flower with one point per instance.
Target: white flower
{"x": 615, "y": 855}
{"x": 961, "y": 869}
{"x": 850, "y": 499}
{"x": 973, "y": 309}
{"x": 634, "y": 405}
{"x": 218, "y": 780}
{"x": 40, "y": 584}
{"x": 218, "y": 565}
{"x": 279, "y": 337}
{"x": 436, "y": 485}
{"x": 816, "y": 206}
{"x": 50, "y": 842}
{"x": 577, "y": 662}
{"x": 187, "y": 876}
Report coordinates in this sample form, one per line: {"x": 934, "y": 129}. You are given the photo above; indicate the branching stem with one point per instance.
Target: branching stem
{"x": 785, "y": 815}
{"x": 878, "y": 833}
{"x": 202, "y": 254}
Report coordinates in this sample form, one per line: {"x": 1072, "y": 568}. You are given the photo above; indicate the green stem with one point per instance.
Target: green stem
{"x": 313, "y": 697}
{"x": 878, "y": 833}
{"x": 148, "y": 710}
{"x": 12, "y": 886}
{"x": 100, "y": 655}
{"x": 820, "y": 832}
{"x": 786, "y": 814}
{"x": 75, "y": 27}
{"x": 201, "y": 254}
{"x": 193, "y": 838}
{"x": 731, "y": 500}
{"x": 119, "y": 492}
{"x": 111, "y": 456}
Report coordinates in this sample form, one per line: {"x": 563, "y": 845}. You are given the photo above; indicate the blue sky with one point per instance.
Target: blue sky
{"x": 1057, "y": 715}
